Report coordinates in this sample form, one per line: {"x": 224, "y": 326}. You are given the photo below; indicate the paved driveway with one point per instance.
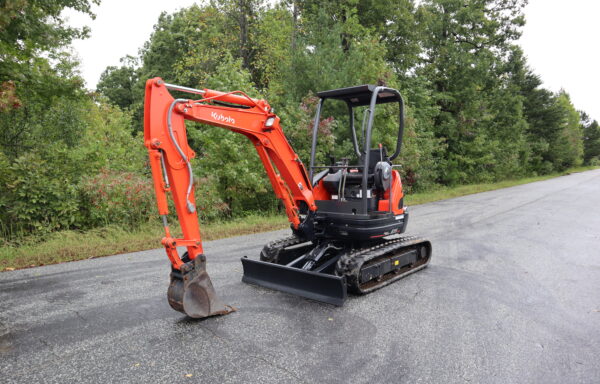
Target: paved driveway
{"x": 512, "y": 295}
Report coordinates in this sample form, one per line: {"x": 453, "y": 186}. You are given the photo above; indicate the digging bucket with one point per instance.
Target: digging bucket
{"x": 191, "y": 291}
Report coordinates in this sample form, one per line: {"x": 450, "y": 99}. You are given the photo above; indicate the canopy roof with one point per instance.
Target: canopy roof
{"x": 361, "y": 95}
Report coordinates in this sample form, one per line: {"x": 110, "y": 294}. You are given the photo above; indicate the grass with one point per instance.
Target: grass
{"x": 463, "y": 190}
{"x": 72, "y": 245}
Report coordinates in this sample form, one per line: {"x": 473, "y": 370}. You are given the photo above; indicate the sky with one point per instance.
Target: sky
{"x": 120, "y": 28}
{"x": 561, "y": 41}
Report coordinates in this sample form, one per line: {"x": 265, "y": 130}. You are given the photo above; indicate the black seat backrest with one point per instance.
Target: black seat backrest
{"x": 375, "y": 157}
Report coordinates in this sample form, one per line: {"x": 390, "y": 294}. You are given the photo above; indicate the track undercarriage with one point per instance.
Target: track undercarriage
{"x": 326, "y": 270}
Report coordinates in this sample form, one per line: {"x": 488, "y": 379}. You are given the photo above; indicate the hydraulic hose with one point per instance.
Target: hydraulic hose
{"x": 190, "y": 207}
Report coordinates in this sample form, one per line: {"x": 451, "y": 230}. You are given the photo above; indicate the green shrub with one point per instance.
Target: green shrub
{"x": 210, "y": 206}
{"x": 37, "y": 196}
{"x": 594, "y": 161}
{"x": 117, "y": 197}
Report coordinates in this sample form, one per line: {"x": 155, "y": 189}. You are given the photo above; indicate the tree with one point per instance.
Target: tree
{"x": 591, "y": 139}
{"x": 567, "y": 150}
{"x": 28, "y": 27}
{"x": 117, "y": 83}
{"x": 480, "y": 119}
{"x": 540, "y": 110}
{"x": 228, "y": 163}
{"x": 35, "y": 71}
{"x": 53, "y": 134}
{"x": 475, "y": 111}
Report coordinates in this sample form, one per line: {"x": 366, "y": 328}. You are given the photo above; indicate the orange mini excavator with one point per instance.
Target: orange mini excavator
{"x": 346, "y": 217}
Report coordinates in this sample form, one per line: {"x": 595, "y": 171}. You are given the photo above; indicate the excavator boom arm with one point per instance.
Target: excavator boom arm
{"x": 342, "y": 246}
{"x": 165, "y": 136}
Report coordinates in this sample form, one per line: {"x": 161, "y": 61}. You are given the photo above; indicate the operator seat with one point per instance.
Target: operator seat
{"x": 332, "y": 180}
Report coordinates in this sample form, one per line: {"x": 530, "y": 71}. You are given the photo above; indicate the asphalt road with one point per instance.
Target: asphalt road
{"x": 512, "y": 294}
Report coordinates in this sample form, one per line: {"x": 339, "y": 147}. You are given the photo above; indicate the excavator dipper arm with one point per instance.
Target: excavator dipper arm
{"x": 165, "y": 137}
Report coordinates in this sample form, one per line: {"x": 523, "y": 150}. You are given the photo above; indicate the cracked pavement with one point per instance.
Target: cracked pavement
{"x": 512, "y": 294}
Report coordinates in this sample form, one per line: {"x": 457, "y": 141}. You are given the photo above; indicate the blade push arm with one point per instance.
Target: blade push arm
{"x": 165, "y": 137}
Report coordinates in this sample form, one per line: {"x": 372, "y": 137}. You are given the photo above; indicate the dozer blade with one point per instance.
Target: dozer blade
{"x": 191, "y": 291}
{"x": 312, "y": 285}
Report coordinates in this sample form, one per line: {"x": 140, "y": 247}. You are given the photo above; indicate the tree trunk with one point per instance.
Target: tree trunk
{"x": 295, "y": 13}
{"x": 243, "y": 23}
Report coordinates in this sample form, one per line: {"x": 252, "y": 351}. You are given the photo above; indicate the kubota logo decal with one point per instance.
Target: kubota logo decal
{"x": 223, "y": 118}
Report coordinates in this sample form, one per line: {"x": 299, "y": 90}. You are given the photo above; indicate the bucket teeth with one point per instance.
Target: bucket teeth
{"x": 191, "y": 291}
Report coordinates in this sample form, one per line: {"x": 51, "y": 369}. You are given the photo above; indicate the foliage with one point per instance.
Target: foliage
{"x": 228, "y": 162}
{"x": 568, "y": 149}
{"x": 475, "y": 111}
{"x": 591, "y": 140}
{"x": 117, "y": 197}
{"x": 30, "y": 26}
{"x": 117, "y": 83}
{"x": 37, "y": 196}
{"x": 47, "y": 188}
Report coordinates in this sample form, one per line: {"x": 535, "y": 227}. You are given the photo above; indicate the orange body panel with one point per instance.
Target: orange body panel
{"x": 320, "y": 193}
{"x": 397, "y": 195}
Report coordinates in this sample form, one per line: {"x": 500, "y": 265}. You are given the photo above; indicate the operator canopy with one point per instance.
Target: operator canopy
{"x": 361, "y": 95}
